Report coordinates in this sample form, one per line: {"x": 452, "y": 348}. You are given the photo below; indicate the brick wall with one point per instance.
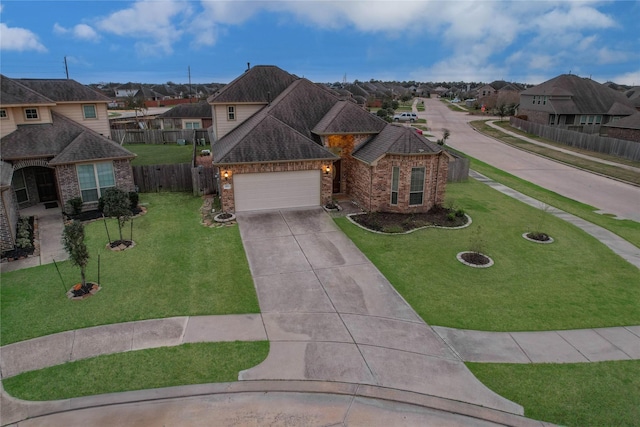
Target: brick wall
{"x": 620, "y": 133}
{"x": 8, "y": 220}
{"x": 371, "y": 186}
{"x": 227, "y": 197}
{"x": 534, "y": 116}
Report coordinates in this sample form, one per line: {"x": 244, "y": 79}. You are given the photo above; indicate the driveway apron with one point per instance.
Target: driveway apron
{"x": 330, "y": 315}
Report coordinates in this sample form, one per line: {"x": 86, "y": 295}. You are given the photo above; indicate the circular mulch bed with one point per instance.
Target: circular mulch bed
{"x": 224, "y": 217}
{"x": 121, "y": 245}
{"x": 77, "y": 292}
{"x": 474, "y": 259}
{"x": 538, "y": 237}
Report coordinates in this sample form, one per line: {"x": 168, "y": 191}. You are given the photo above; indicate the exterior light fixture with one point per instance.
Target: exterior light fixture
{"x": 327, "y": 169}
{"x": 226, "y": 175}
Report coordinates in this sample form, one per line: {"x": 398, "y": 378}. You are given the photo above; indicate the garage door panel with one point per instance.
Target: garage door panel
{"x": 274, "y": 190}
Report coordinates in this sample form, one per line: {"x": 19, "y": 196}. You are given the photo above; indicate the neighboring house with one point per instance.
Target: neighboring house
{"x": 633, "y": 95}
{"x": 187, "y": 116}
{"x": 284, "y": 141}
{"x": 626, "y": 128}
{"x": 498, "y": 93}
{"x": 53, "y": 141}
{"x": 573, "y": 102}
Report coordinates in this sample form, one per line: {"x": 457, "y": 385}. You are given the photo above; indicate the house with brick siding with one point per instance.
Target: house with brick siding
{"x": 293, "y": 143}
{"x": 626, "y": 128}
{"x": 54, "y": 143}
{"x": 575, "y": 103}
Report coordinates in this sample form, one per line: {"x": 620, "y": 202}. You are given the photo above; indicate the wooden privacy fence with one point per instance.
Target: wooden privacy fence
{"x": 458, "y": 169}
{"x": 180, "y": 177}
{"x": 160, "y": 136}
{"x": 601, "y": 144}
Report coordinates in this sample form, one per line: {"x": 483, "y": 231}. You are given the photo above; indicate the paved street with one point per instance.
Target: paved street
{"x": 604, "y": 194}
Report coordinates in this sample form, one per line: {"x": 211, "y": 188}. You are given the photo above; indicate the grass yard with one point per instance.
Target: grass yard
{"x": 576, "y": 282}
{"x": 177, "y": 268}
{"x": 590, "y": 165}
{"x": 156, "y": 154}
{"x": 577, "y": 395}
{"x": 199, "y": 363}
{"x": 627, "y": 229}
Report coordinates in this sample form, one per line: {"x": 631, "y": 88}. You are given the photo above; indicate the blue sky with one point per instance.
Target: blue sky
{"x": 155, "y": 41}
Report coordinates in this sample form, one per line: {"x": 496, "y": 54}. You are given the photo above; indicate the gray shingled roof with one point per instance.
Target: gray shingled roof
{"x": 14, "y": 93}
{"x": 196, "y": 110}
{"x": 345, "y": 117}
{"x": 62, "y": 90}
{"x": 260, "y": 84}
{"x": 629, "y": 122}
{"x": 587, "y": 96}
{"x": 394, "y": 139}
{"x": 64, "y": 140}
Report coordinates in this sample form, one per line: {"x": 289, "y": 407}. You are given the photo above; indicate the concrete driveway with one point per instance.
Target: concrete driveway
{"x": 330, "y": 315}
{"x": 604, "y": 194}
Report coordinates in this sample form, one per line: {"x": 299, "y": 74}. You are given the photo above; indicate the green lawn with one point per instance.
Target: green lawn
{"x": 177, "y": 268}
{"x": 627, "y": 229}
{"x": 156, "y": 154}
{"x": 577, "y": 395}
{"x": 199, "y": 363}
{"x": 575, "y": 282}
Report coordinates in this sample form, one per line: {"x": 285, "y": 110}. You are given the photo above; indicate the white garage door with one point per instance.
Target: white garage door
{"x": 274, "y": 190}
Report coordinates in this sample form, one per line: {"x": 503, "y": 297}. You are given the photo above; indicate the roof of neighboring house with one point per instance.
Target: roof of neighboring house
{"x": 64, "y": 140}
{"x": 633, "y": 95}
{"x": 12, "y": 92}
{"x": 259, "y": 84}
{"x": 63, "y": 90}
{"x": 346, "y": 117}
{"x": 394, "y": 139}
{"x": 629, "y": 122}
{"x": 196, "y": 110}
{"x": 587, "y": 96}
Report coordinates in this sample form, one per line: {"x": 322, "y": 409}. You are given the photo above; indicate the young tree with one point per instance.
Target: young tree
{"x": 73, "y": 241}
{"x": 116, "y": 203}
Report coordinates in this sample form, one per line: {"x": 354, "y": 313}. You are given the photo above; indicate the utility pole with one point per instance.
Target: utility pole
{"x": 189, "y": 71}
{"x": 66, "y": 68}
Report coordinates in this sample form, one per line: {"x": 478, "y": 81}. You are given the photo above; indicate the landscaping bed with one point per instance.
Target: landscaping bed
{"x": 389, "y": 222}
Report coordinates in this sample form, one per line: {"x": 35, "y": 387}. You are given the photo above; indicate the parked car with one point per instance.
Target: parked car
{"x": 418, "y": 131}
{"x": 405, "y": 117}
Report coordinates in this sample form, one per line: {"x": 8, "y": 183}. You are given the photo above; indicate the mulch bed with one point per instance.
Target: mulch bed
{"x": 19, "y": 253}
{"x": 541, "y": 237}
{"x": 475, "y": 258}
{"x": 389, "y": 222}
{"x": 96, "y": 214}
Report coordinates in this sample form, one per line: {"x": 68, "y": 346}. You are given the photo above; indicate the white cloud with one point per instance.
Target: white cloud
{"x": 631, "y": 78}
{"x": 157, "y": 23}
{"x": 80, "y": 31}
{"x": 19, "y": 39}
{"x": 608, "y": 56}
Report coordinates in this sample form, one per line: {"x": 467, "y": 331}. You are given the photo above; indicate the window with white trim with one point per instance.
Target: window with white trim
{"x": 3, "y": 113}
{"x": 192, "y": 125}
{"x": 395, "y": 182}
{"x": 31, "y": 113}
{"x": 94, "y": 179}
{"x": 89, "y": 111}
{"x": 416, "y": 189}
{"x": 20, "y": 186}
{"x": 231, "y": 112}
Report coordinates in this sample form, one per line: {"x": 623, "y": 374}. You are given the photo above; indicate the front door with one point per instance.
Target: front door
{"x": 337, "y": 175}
{"x": 45, "y": 182}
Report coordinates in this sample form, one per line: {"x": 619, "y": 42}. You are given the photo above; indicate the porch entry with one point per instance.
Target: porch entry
{"x": 337, "y": 176}
{"x": 46, "y": 184}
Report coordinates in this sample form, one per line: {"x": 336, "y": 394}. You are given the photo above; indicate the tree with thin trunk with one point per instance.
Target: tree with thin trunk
{"x": 116, "y": 203}
{"x": 73, "y": 241}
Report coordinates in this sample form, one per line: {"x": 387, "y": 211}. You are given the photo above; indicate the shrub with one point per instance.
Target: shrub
{"x": 459, "y": 213}
{"x": 74, "y": 206}
{"x": 451, "y": 216}
{"x": 134, "y": 198}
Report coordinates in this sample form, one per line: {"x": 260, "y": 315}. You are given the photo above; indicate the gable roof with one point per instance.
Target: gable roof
{"x": 196, "y": 110}
{"x": 345, "y": 117}
{"x": 587, "y": 96}
{"x": 63, "y": 90}
{"x": 64, "y": 140}
{"x": 259, "y": 84}
{"x": 394, "y": 139}
{"x": 14, "y": 93}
